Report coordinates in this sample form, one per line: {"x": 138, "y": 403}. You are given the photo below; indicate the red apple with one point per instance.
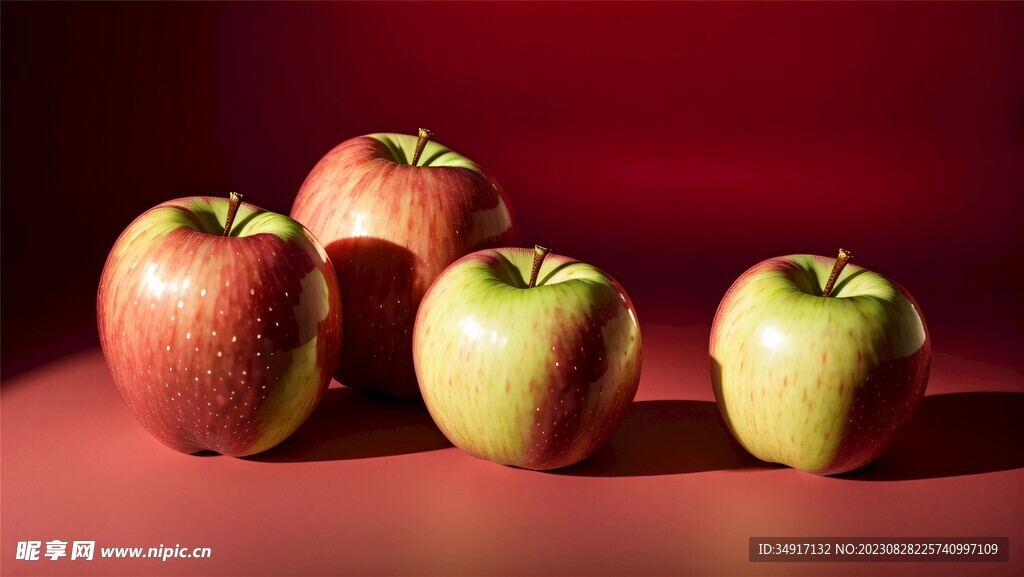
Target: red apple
{"x": 391, "y": 224}
{"x": 222, "y": 342}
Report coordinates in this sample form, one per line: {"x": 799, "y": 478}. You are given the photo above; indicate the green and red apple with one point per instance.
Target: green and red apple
{"x": 221, "y": 329}
{"x": 525, "y": 360}
{"x": 818, "y": 374}
{"x": 393, "y": 211}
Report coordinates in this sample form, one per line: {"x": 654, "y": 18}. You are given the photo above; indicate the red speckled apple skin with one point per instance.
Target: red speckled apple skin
{"x": 390, "y": 229}
{"x": 219, "y": 343}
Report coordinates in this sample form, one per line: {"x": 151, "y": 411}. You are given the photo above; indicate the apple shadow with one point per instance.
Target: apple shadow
{"x": 352, "y": 424}
{"x": 380, "y": 293}
{"x": 954, "y": 434}
{"x": 667, "y": 438}
{"x": 205, "y": 453}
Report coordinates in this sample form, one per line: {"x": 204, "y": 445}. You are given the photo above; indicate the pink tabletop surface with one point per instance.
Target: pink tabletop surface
{"x": 371, "y": 487}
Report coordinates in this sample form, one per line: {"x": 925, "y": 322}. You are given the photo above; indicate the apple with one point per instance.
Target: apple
{"x": 391, "y": 223}
{"x": 535, "y": 374}
{"x": 817, "y": 365}
{"x": 221, "y": 331}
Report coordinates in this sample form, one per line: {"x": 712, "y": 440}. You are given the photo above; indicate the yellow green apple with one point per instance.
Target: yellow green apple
{"x": 526, "y": 360}
{"x": 818, "y": 365}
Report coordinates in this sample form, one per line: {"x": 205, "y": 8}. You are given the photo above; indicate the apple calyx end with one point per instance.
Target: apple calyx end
{"x": 421, "y": 142}
{"x": 539, "y": 252}
{"x": 841, "y": 261}
{"x": 234, "y": 200}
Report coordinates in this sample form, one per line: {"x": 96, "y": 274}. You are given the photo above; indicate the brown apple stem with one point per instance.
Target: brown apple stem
{"x": 234, "y": 199}
{"x": 420, "y": 144}
{"x": 841, "y": 260}
{"x": 539, "y": 253}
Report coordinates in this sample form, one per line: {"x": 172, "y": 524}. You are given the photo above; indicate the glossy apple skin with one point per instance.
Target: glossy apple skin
{"x": 219, "y": 343}
{"x": 819, "y": 384}
{"x": 390, "y": 229}
{"x": 531, "y": 377}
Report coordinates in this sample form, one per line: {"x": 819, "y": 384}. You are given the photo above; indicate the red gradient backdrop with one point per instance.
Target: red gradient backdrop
{"x": 673, "y": 145}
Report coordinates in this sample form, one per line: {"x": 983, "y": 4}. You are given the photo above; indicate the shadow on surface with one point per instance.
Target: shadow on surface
{"x": 954, "y": 434}
{"x": 350, "y": 424}
{"x": 666, "y": 438}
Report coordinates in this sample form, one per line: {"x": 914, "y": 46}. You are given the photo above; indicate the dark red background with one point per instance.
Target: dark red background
{"x": 673, "y": 145}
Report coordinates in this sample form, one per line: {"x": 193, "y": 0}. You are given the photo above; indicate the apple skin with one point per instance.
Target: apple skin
{"x": 820, "y": 384}
{"x": 219, "y": 343}
{"x": 390, "y": 228}
{"x": 532, "y": 377}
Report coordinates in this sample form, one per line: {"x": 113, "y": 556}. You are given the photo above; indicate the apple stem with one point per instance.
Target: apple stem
{"x": 539, "y": 253}
{"x": 234, "y": 199}
{"x": 421, "y": 142}
{"x": 841, "y": 261}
